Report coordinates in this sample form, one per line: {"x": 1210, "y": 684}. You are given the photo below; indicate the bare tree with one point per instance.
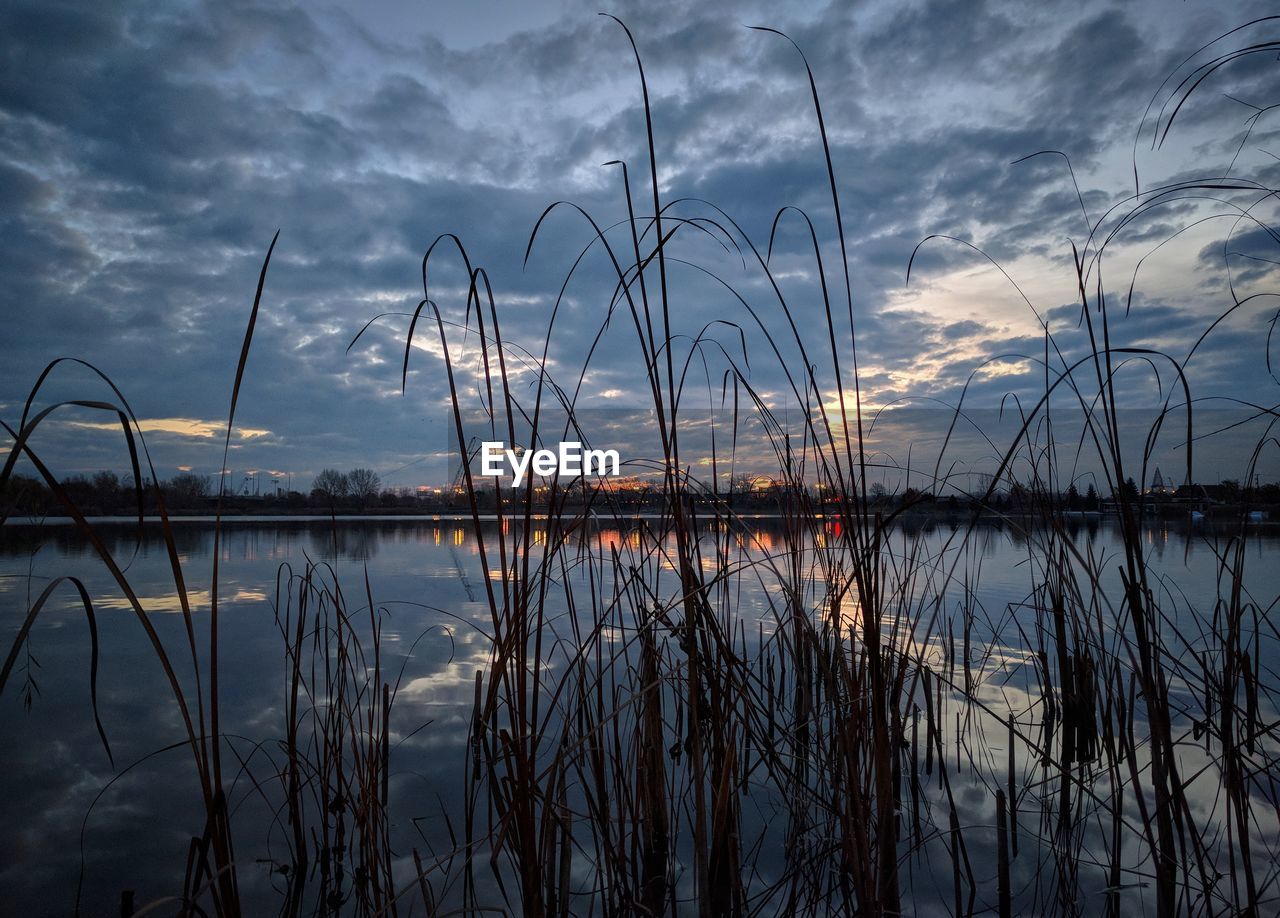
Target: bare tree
{"x": 187, "y": 488}
{"x": 363, "y": 485}
{"x": 106, "y": 484}
{"x": 331, "y": 484}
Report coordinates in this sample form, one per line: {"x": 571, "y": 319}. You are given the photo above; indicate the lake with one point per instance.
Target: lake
{"x": 75, "y": 826}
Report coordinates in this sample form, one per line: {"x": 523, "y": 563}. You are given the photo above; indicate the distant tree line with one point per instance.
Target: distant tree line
{"x": 102, "y": 493}
{"x": 360, "y": 491}
{"x": 106, "y": 493}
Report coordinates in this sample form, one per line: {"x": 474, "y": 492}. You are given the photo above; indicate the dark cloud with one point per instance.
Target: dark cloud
{"x": 148, "y": 153}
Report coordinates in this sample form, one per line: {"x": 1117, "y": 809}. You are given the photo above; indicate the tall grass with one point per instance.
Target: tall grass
{"x": 638, "y": 745}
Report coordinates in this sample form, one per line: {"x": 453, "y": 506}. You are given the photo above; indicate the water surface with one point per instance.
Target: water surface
{"x": 74, "y": 824}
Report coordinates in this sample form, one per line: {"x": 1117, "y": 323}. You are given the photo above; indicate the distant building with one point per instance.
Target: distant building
{"x": 1159, "y": 487}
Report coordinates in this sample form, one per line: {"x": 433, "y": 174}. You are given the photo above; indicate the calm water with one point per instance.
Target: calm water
{"x": 68, "y": 816}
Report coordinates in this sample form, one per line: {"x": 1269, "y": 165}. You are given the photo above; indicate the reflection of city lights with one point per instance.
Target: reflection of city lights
{"x": 436, "y": 533}
{"x": 459, "y": 535}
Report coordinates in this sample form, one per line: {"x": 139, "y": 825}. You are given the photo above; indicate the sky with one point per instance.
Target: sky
{"x": 150, "y": 151}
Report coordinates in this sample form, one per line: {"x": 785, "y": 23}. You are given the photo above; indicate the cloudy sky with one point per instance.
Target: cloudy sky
{"x": 149, "y": 152}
